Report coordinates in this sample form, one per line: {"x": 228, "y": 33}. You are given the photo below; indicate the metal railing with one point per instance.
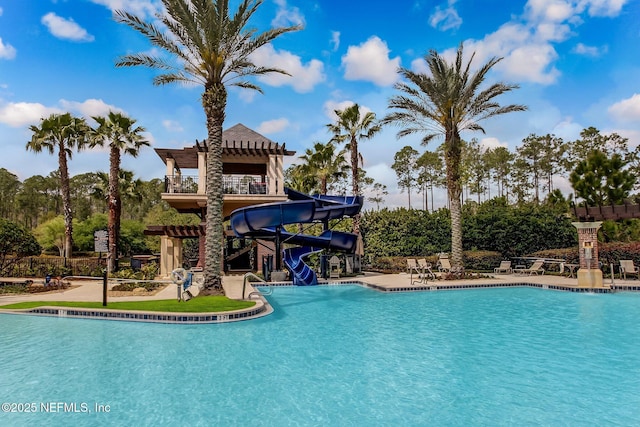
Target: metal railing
{"x": 244, "y": 184}
{"x": 181, "y": 184}
{"x": 231, "y": 184}
{"x": 264, "y": 283}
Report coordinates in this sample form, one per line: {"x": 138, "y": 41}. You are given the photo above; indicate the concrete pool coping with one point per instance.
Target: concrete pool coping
{"x": 84, "y": 290}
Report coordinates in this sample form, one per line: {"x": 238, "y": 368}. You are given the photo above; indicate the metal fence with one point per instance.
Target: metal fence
{"x": 58, "y": 266}
{"x": 231, "y": 184}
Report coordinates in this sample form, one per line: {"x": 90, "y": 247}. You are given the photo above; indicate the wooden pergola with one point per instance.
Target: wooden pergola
{"x": 612, "y": 212}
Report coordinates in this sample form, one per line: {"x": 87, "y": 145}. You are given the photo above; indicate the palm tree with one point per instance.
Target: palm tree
{"x": 445, "y": 103}
{"x": 323, "y": 162}
{"x": 61, "y": 132}
{"x": 212, "y": 48}
{"x": 121, "y": 135}
{"x": 352, "y": 126}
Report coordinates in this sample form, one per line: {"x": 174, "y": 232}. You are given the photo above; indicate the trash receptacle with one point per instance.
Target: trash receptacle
{"x": 267, "y": 266}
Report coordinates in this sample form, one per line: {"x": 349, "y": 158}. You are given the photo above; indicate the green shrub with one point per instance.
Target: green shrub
{"x": 472, "y": 260}
{"x": 128, "y": 287}
{"x": 14, "y": 287}
{"x": 481, "y": 260}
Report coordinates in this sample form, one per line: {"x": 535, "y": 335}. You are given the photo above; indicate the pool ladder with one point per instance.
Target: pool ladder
{"x": 244, "y": 285}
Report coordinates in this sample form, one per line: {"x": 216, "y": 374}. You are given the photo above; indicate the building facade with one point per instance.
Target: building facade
{"x": 253, "y": 173}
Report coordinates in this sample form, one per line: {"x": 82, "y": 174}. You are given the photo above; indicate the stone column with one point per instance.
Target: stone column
{"x": 170, "y": 255}
{"x": 589, "y": 274}
{"x": 201, "y": 246}
{"x": 202, "y": 172}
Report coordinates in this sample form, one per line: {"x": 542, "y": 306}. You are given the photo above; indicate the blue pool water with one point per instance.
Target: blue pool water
{"x": 340, "y": 355}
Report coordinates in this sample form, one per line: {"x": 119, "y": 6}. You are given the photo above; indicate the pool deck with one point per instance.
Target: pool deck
{"x": 91, "y": 290}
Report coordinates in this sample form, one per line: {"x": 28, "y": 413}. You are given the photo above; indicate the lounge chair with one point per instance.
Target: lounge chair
{"x": 536, "y": 268}
{"x": 628, "y": 267}
{"x": 425, "y": 267}
{"x": 334, "y": 267}
{"x": 412, "y": 266}
{"x": 444, "y": 265}
{"x": 505, "y": 267}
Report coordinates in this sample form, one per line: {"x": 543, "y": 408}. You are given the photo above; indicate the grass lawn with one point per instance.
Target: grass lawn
{"x": 204, "y": 304}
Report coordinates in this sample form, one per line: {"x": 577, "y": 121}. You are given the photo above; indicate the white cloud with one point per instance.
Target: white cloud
{"x": 172, "y": 126}
{"x": 419, "y": 65}
{"x": 303, "y": 77}
{"x": 65, "y": 28}
{"x": 568, "y": 130}
{"x": 335, "y": 40}
{"x": 24, "y": 113}
{"x": 627, "y": 110}
{"x": 89, "y": 108}
{"x": 549, "y": 10}
{"x": 273, "y": 126}
{"x": 370, "y": 61}
{"x": 608, "y": 8}
{"x": 445, "y": 18}
{"x": 594, "y": 51}
{"x": 527, "y": 42}
{"x": 531, "y": 63}
{"x": 330, "y": 108}
{"x": 551, "y": 31}
{"x": 1, "y": 11}
{"x": 140, "y": 8}
{"x": 287, "y": 16}
{"x": 490, "y": 143}
{"x": 6, "y": 50}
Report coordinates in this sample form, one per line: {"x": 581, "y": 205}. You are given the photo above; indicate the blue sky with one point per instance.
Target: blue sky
{"x": 577, "y": 63}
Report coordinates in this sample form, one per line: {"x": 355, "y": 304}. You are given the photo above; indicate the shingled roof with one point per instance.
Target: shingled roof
{"x": 237, "y": 140}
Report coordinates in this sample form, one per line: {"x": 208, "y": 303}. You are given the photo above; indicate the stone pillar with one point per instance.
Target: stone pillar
{"x": 589, "y": 274}
{"x": 170, "y": 172}
{"x": 201, "y": 248}
{"x": 170, "y": 255}
{"x": 202, "y": 172}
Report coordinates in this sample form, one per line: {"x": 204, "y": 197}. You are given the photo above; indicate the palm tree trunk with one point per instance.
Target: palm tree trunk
{"x": 214, "y": 101}
{"x": 66, "y": 201}
{"x": 113, "y": 204}
{"x": 355, "y": 180}
{"x": 452, "y": 161}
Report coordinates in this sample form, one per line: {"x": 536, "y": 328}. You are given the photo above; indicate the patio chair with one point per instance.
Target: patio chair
{"x": 425, "y": 267}
{"x": 334, "y": 267}
{"x": 628, "y": 267}
{"x": 444, "y": 265}
{"x": 412, "y": 266}
{"x": 505, "y": 267}
{"x": 536, "y": 268}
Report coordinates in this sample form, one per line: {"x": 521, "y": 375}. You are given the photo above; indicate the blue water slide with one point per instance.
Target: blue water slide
{"x": 301, "y": 273}
{"x": 266, "y": 221}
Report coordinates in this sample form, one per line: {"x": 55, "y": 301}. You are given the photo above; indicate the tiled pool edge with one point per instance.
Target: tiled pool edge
{"x": 262, "y": 308}
{"x": 442, "y": 287}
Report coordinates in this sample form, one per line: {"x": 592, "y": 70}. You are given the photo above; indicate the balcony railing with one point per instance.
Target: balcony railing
{"x": 231, "y": 184}
{"x": 181, "y": 184}
{"x": 244, "y": 184}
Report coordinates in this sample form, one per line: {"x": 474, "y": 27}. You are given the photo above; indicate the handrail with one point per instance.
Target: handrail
{"x": 244, "y": 281}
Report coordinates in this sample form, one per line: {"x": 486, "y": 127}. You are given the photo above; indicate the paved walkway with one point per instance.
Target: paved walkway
{"x": 91, "y": 290}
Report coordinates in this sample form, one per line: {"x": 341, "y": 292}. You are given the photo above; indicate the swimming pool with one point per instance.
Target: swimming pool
{"x": 341, "y": 355}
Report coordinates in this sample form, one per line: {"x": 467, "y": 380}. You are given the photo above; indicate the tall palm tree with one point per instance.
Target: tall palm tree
{"x": 444, "y": 103}
{"x": 209, "y": 47}
{"x": 121, "y": 135}
{"x": 324, "y": 163}
{"x": 352, "y": 126}
{"x": 61, "y": 132}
